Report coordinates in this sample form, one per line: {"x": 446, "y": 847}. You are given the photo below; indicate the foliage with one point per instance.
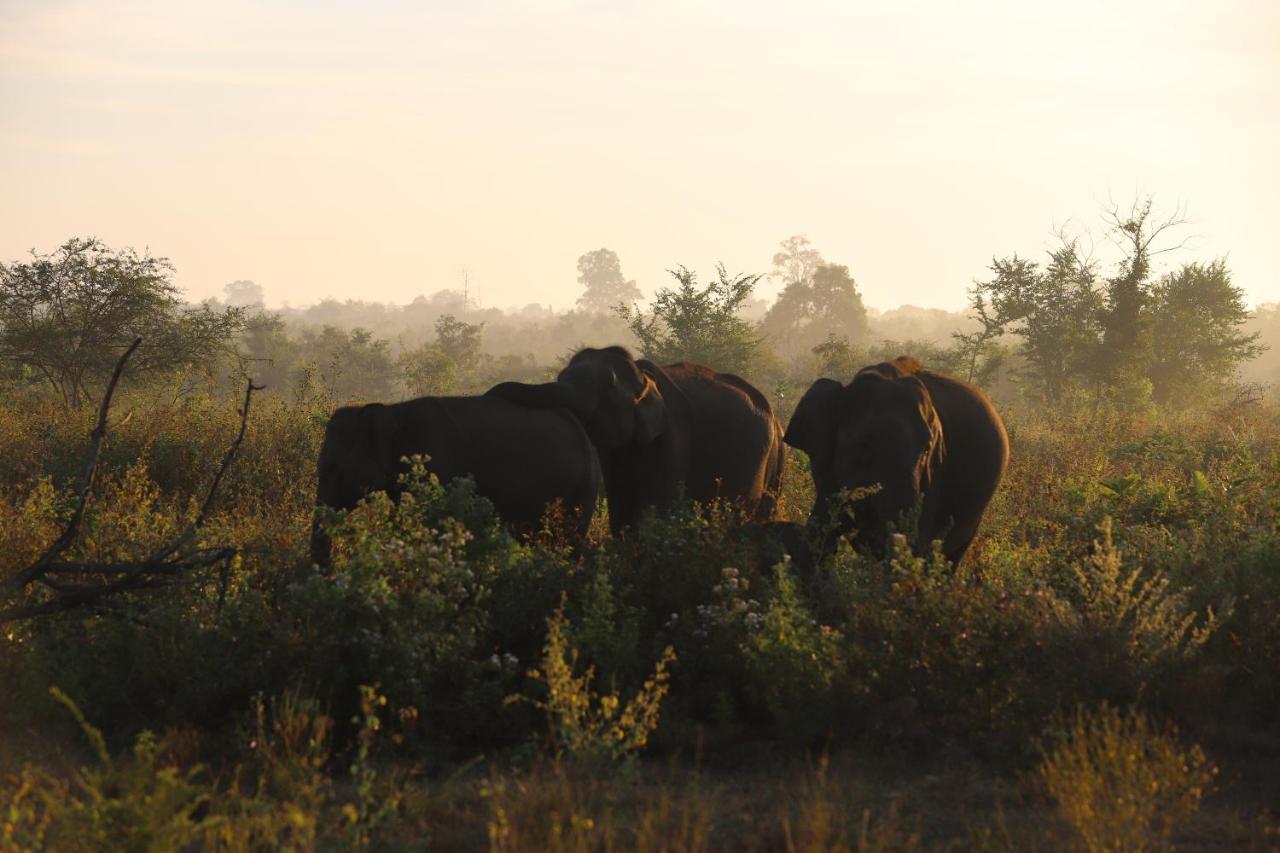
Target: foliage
{"x": 68, "y": 315}
{"x": 872, "y": 656}
{"x": 698, "y": 324}
{"x": 1127, "y": 627}
{"x": 281, "y": 794}
{"x": 447, "y": 365}
{"x": 582, "y": 724}
{"x": 271, "y": 356}
{"x": 604, "y": 286}
{"x": 1129, "y": 335}
{"x": 135, "y": 803}
{"x": 792, "y": 662}
{"x": 1054, "y": 311}
{"x": 1197, "y": 344}
{"x": 819, "y": 300}
{"x": 825, "y": 304}
{"x": 837, "y": 358}
{"x": 349, "y": 366}
{"x": 1121, "y": 781}
{"x": 244, "y": 293}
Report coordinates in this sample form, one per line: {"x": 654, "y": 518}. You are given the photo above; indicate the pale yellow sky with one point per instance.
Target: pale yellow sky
{"x": 373, "y": 150}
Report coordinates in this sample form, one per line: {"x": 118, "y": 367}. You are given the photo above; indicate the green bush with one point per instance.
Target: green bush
{"x": 1174, "y": 608}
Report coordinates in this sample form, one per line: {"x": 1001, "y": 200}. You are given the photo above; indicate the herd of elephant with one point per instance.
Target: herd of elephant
{"x": 895, "y": 439}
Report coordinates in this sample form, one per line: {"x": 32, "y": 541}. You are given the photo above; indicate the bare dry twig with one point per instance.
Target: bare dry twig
{"x": 32, "y": 572}
{"x": 78, "y": 583}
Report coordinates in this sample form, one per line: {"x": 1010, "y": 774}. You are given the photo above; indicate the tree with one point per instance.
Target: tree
{"x": 837, "y": 305}
{"x": 70, "y": 314}
{"x": 1128, "y": 335}
{"x": 794, "y": 266}
{"x": 600, "y": 273}
{"x": 973, "y": 347}
{"x": 1197, "y": 345}
{"x": 1124, "y": 359}
{"x": 796, "y": 261}
{"x": 268, "y": 348}
{"x": 446, "y": 365}
{"x": 350, "y": 366}
{"x": 1264, "y": 370}
{"x": 689, "y": 323}
{"x": 818, "y": 300}
{"x": 1055, "y": 311}
{"x": 244, "y": 294}
{"x": 836, "y": 359}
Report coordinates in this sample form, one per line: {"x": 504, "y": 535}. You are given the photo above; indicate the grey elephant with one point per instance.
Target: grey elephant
{"x": 920, "y": 436}
{"x": 656, "y": 428}
{"x": 523, "y": 459}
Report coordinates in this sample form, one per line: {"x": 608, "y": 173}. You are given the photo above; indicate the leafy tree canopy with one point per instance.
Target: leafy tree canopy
{"x": 698, "y": 324}
{"x": 244, "y": 293}
{"x": 67, "y": 316}
{"x": 1131, "y": 335}
{"x": 819, "y": 300}
{"x": 605, "y": 287}
{"x": 1196, "y": 332}
{"x": 447, "y": 364}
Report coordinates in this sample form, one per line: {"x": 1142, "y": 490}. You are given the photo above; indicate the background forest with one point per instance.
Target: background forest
{"x": 1130, "y": 314}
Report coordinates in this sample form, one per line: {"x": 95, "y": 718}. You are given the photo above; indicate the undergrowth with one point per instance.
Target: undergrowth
{"x": 1124, "y": 563}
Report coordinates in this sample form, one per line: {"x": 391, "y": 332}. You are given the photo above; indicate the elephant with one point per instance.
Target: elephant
{"x": 656, "y": 428}
{"x": 921, "y": 436}
{"x": 522, "y": 459}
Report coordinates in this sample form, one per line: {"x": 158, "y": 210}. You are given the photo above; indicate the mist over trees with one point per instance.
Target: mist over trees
{"x": 1264, "y": 370}
{"x": 604, "y": 285}
{"x": 819, "y": 301}
{"x": 1055, "y": 327}
{"x": 244, "y": 294}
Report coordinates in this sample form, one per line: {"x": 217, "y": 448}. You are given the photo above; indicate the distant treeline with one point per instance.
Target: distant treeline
{"x": 1066, "y": 325}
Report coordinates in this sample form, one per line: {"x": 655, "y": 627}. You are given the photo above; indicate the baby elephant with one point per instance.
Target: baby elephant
{"x": 523, "y": 459}
{"x": 919, "y": 435}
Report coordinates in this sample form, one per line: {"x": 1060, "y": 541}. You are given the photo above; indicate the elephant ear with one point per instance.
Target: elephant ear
{"x": 812, "y": 427}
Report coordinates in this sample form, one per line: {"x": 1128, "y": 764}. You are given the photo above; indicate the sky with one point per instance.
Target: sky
{"x": 377, "y": 150}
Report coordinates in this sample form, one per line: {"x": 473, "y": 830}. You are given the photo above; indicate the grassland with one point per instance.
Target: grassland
{"x": 1104, "y": 672}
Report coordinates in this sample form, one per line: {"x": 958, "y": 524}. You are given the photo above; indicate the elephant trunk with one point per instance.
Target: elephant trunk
{"x": 545, "y": 395}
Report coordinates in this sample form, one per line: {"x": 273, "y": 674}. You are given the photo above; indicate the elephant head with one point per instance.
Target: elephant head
{"x": 618, "y": 403}
{"x": 880, "y": 430}
{"x": 359, "y": 456}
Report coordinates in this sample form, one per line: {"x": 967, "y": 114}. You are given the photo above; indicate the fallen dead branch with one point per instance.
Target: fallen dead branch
{"x": 70, "y": 584}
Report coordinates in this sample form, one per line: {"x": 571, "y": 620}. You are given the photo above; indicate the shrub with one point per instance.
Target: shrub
{"x": 582, "y": 724}
{"x": 1126, "y": 629}
{"x": 791, "y": 660}
{"x": 1122, "y": 782}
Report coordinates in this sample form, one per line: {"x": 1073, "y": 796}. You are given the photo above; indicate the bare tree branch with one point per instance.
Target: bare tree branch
{"x": 75, "y": 583}
{"x": 36, "y": 569}
{"x": 217, "y": 479}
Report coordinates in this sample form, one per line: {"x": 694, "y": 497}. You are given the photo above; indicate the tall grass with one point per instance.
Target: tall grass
{"x": 1126, "y": 559}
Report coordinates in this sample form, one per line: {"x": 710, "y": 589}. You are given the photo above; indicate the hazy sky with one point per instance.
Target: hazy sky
{"x": 372, "y": 150}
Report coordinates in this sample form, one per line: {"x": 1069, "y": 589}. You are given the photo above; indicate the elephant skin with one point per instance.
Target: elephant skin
{"x": 656, "y": 428}
{"x": 921, "y": 436}
{"x": 522, "y": 459}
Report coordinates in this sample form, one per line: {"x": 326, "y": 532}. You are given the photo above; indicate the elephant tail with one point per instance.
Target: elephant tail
{"x": 774, "y": 466}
